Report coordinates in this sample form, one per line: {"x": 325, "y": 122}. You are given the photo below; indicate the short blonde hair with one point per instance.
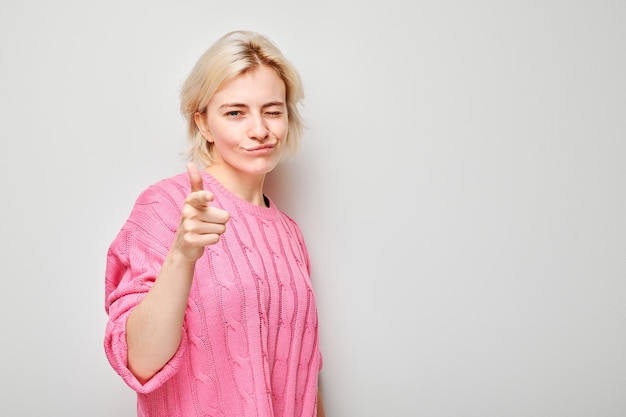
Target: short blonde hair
{"x": 237, "y": 53}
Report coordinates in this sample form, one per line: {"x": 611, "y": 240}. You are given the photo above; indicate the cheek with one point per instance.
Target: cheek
{"x": 223, "y": 133}
{"x": 280, "y": 129}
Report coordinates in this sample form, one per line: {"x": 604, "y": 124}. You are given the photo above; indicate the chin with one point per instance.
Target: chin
{"x": 265, "y": 167}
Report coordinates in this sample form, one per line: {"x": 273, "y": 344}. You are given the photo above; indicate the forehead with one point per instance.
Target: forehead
{"x": 261, "y": 84}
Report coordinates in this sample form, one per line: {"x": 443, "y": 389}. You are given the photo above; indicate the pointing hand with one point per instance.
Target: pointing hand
{"x": 200, "y": 224}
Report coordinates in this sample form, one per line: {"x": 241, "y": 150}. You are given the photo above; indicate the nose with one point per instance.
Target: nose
{"x": 258, "y": 128}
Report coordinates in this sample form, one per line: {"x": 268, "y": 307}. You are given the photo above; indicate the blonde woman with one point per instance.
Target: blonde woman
{"x": 211, "y": 310}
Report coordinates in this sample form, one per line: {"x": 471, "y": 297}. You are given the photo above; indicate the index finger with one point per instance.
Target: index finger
{"x": 195, "y": 178}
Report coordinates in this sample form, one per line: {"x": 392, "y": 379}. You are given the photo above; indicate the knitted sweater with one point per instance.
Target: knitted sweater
{"x": 250, "y": 340}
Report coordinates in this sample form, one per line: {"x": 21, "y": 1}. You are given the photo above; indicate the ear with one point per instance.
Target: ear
{"x": 203, "y": 126}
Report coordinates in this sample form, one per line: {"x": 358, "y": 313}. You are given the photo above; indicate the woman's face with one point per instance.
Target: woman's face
{"x": 247, "y": 122}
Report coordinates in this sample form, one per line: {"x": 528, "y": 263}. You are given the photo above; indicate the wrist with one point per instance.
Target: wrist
{"x": 181, "y": 259}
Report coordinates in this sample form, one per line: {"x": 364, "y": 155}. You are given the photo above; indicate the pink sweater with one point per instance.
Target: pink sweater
{"x": 250, "y": 340}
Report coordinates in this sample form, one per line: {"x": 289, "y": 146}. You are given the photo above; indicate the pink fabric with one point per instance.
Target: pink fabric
{"x": 250, "y": 340}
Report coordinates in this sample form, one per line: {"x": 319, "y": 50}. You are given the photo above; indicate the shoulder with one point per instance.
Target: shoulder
{"x": 289, "y": 220}
{"x": 175, "y": 188}
{"x": 291, "y": 224}
{"x": 285, "y": 218}
{"x": 162, "y": 201}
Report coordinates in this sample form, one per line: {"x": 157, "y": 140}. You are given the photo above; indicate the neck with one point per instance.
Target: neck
{"x": 248, "y": 187}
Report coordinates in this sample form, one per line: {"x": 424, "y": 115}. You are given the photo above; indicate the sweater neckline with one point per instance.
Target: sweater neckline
{"x": 269, "y": 213}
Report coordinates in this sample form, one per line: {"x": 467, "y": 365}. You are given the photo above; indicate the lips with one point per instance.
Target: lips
{"x": 259, "y": 148}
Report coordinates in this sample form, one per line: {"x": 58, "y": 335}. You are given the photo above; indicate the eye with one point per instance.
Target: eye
{"x": 233, "y": 113}
{"x": 274, "y": 113}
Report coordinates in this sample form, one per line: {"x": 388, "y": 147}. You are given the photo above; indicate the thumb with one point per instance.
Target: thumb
{"x": 195, "y": 178}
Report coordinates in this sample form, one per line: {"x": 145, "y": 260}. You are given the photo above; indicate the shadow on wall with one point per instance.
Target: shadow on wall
{"x": 281, "y": 186}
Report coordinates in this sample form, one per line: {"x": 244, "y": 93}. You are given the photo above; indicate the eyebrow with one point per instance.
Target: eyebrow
{"x": 241, "y": 105}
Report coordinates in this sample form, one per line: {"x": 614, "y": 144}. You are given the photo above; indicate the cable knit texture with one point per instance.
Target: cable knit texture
{"x": 250, "y": 340}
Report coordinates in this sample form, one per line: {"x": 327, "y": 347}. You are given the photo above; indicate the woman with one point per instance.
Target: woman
{"x": 211, "y": 311}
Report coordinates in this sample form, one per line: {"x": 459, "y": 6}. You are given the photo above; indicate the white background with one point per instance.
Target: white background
{"x": 461, "y": 188}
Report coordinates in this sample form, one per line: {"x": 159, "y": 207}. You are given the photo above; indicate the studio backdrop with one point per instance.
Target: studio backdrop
{"x": 461, "y": 189}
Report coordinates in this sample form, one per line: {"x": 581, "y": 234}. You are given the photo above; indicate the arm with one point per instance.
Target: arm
{"x": 320, "y": 405}
{"x": 154, "y": 327}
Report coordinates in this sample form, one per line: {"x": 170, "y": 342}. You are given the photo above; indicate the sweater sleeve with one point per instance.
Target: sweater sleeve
{"x": 134, "y": 260}
{"x": 307, "y": 261}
